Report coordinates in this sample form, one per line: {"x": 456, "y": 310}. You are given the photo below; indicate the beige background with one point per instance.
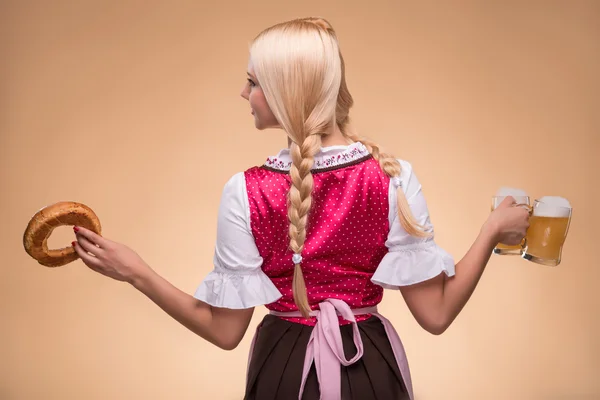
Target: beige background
{"x": 133, "y": 108}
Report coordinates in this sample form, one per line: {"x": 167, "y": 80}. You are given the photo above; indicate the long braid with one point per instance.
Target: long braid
{"x": 300, "y": 200}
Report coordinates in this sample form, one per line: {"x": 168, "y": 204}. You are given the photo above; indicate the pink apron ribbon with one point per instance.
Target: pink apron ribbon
{"x": 325, "y": 346}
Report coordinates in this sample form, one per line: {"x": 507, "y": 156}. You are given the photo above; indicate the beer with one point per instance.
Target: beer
{"x": 548, "y": 227}
{"x": 521, "y": 198}
{"x": 506, "y": 249}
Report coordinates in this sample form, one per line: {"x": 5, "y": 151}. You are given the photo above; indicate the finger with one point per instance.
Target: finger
{"x": 526, "y": 207}
{"x": 89, "y": 246}
{"x": 91, "y": 236}
{"x": 508, "y": 201}
{"x": 526, "y": 213}
{"x": 88, "y": 259}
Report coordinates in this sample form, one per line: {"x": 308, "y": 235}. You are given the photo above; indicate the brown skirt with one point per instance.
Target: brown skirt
{"x": 275, "y": 370}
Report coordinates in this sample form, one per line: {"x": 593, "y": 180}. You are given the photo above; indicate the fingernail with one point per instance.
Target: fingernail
{"x": 73, "y": 244}
{"x": 76, "y": 229}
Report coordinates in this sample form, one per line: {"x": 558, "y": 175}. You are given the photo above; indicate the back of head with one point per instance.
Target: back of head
{"x": 298, "y": 66}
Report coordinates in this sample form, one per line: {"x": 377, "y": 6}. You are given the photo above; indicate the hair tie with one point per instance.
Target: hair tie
{"x": 397, "y": 182}
{"x": 297, "y": 258}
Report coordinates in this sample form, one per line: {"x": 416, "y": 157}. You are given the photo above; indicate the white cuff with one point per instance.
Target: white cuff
{"x": 410, "y": 264}
{"x": 237, "y": 291}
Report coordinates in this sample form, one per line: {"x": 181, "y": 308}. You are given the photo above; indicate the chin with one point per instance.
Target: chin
{"x": 261, "y": 126}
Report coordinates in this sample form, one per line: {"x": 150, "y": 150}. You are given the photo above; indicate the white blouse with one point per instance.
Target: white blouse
{"x": 237, "y": 280}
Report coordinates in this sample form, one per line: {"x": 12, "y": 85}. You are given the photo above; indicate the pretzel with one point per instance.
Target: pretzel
{"x": 41, "y": 225}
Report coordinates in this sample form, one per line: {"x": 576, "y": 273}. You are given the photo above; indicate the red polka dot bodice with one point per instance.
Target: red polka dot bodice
{"x": 347, "y": 229}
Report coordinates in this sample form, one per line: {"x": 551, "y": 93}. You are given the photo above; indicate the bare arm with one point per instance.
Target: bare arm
{"x": 223, "y": 327}
{"x": 435, "y": 303}
{"x": 235, "y": 251}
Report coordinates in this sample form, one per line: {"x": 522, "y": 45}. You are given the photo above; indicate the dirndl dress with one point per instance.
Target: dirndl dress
{"x": 355, "y": 248}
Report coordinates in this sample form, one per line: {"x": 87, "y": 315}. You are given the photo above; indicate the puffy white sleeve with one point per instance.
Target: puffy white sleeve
{"x": 409, "y": 259}
{"x": 237, "y": 280}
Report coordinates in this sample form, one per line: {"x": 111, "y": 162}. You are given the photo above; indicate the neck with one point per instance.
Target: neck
{"x": 333, "y": 138}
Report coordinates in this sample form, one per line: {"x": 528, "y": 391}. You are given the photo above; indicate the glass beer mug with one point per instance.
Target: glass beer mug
{"x": 548, "y": 228}
{"x": 522, "y": 200}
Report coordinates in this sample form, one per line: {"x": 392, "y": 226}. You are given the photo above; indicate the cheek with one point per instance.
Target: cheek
{"x": 262, "y": 111}
{"x": 254, "y": 104}
{"x": 257, "y": 99}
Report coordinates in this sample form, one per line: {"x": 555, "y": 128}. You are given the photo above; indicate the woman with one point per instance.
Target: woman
{"x": 315, "y": 234}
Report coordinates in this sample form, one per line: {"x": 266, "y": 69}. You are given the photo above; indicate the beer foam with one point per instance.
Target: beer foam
{"x": 508, "y": 191}
{"x": 552, "y": 206}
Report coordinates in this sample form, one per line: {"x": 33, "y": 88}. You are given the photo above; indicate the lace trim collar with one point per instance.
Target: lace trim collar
{"x": 327, "y": 157}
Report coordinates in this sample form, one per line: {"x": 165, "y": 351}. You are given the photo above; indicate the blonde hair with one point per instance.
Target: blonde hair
{"x": 301, "y": 70}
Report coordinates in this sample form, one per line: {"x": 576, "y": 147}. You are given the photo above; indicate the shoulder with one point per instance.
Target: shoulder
{"x": 235, "y": 181}
{"x": 234, "y": 191}
{"x": 405, "y": 166}
{"x": 255, "y": 176}
{"x": 240, "y": 177}
{"x": 406, "y": 172}
{"x": 404, "y": 163}
{"x": 408, "y": 180}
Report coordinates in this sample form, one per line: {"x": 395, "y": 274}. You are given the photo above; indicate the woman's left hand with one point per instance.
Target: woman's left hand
{"x": 108, "y": 258}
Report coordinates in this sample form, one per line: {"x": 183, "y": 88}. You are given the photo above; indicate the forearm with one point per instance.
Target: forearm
{"x": 190, "y": 312}
{"x": 457, "y": 290}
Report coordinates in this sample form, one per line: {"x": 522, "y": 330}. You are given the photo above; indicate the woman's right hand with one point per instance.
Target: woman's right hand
{"x": 509, "y": 222}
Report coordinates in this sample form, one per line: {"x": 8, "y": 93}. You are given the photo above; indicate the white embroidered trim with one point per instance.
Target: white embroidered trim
{"x": 353, "y": 152}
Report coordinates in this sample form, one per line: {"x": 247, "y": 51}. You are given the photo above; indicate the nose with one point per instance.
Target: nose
{"x": 244, "y": 92}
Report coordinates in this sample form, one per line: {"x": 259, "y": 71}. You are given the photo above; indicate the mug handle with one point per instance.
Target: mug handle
{"x": 530, "y": 210}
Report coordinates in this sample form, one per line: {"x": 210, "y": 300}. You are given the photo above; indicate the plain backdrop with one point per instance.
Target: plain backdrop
{"x": 133, "y": 108}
